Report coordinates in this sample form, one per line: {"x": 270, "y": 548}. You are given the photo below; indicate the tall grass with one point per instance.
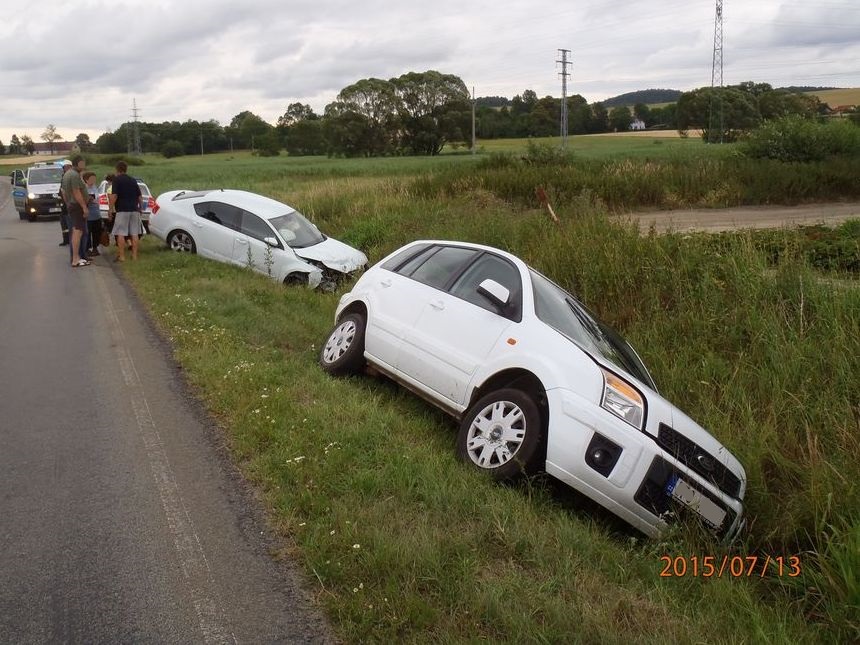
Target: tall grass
{"x": 635, "y": 184}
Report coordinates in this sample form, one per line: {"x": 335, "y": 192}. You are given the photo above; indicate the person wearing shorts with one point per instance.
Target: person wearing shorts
{"x": 125, "y": 197}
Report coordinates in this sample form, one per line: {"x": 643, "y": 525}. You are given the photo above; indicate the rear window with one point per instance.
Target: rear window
{"x": 189, "y": 194}
{"x": 443, "y": 266}
{"x": 399, "y": 259}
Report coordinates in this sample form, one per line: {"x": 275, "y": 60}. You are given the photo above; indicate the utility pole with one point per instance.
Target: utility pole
{"x": 715, "y": 108}
{"x": 564, "y": 74}
{"x": 473, "y": 121}
{"x": 134, "y": 130}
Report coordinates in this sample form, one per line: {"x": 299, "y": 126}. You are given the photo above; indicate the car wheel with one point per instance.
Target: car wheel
{"x": 343, "y": 351}
{"x": 502, "y": 434}
{"x": 296, "y": 280}
{"x": 182, "y": 242}
{"x": 32, "y": 218}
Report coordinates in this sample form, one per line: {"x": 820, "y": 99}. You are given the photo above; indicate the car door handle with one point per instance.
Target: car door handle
{"x": 386, "y": 282}
{"x": 438, "y": 305}
{"x": 241, "y": 241}
{"x": 198, "y": 224}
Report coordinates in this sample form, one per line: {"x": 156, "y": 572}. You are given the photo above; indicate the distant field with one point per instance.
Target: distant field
{"x": 847, "y": 96}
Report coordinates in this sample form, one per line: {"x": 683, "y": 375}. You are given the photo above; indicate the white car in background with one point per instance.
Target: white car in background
{"x": 148, "y": 201}
{"x": 246, "y": 229}
{"x": 536, "y": 381}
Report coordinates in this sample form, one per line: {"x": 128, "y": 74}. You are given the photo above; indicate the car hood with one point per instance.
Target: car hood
{"x": 334, "y": 255}
{"x": 41, "y": 189}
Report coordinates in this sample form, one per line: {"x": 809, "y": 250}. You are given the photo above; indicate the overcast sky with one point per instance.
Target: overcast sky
{"x": 80, "y": 64}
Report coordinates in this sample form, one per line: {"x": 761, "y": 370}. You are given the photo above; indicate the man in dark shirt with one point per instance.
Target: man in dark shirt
{"x": 125, "y": 198}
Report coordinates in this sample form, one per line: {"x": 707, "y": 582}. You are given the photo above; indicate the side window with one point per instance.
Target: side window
{"x": 255, "y": 227}
{"x": 220, "y": 213}
{"x": 438, "y": 269}
{"x": 395, "y": 262}
{"x": 495, "y": 268}
{"x": 18, "y": 178}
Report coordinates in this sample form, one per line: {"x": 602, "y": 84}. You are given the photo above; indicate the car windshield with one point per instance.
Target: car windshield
{"x": 45, "y": 176}
{"x": 565, "y": 314}
{"x": 296, "y": 230}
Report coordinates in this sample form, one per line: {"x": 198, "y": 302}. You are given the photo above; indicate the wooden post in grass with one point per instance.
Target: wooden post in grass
{"x": 542, "y": 198}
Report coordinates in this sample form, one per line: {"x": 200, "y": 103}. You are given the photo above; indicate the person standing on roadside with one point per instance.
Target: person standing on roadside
{"x": 75, "y": 193}
{"x": 64, "y": 214}
{"x": 94, "y": 216}
{"x": 125, "y": 198}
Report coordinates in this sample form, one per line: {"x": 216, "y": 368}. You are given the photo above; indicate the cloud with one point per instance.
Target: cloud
{"x": 83, "y": 63}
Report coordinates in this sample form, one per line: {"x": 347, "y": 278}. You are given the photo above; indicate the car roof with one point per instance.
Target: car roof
{"x": 472, "y": 245}
{"x": 258, "y": 204}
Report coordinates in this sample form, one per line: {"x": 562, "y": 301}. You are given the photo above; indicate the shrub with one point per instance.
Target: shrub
{"x": 172, "y": 149}
{"x": 794, "y": 138}
{"x": 112, "y": 160}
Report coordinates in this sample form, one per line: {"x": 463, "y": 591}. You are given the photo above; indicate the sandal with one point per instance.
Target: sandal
{"x": 81, "y": 263}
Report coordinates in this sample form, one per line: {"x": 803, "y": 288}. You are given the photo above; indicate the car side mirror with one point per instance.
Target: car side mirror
{"x": 271, "y": 241}
{"x": 495, "y": 292}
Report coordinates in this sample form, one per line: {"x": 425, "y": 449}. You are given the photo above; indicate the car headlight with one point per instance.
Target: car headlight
{"x": 622, "y": 399}
{"x": 31, "y": 195}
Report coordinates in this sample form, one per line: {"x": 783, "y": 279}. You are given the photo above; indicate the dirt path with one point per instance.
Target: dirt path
{"x": 725, "y": 219}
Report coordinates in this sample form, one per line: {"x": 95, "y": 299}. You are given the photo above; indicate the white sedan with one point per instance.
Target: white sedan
{"x": 251, "y": 230}
{"x": 536, "y": 381}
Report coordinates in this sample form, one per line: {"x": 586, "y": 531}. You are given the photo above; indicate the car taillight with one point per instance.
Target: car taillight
{"x": 153, "y": 205}
{"x": 103, "y": 198}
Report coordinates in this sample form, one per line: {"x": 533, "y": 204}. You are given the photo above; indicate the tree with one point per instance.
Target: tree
{"x": 15, "y": 145}
{"x": 268, "y": 144}
{"x": 599, "y": 121}
{"x": 306, "y": 138}
{"x": 83, "y": 143}
{"x": 2, "y": 148}
{"x": 245, "y": 127}
{"x": 642, "y": 112}
{"x": 296, "y": 112}
{"x": 434, "y": 108}
{"x": 172, "y": 148}
{"x": 370, "y": 106}
{"x": 27, "y": 144}
{"x": 51, "y": 136}
{"x": 620, "y": 119}
{"x": 739, "y": 111}
{"x": 111, "y": 143}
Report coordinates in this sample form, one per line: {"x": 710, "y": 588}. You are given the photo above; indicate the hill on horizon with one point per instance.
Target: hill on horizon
{"x": 648, "y": 97}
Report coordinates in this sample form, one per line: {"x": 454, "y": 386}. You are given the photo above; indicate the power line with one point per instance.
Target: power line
{"x": 564, "y": 74}
{"x": 715, "y": 116}
{"x": 134, "y": 130}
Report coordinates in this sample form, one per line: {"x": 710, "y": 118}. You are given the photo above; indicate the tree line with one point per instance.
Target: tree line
{"x": 418, "y": 113}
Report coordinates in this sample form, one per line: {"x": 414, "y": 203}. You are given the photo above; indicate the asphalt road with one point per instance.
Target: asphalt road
{"x": 121, "y": 517}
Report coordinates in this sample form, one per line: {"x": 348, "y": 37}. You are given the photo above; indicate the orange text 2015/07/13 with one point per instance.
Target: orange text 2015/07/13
{"x": 735, "y": 566}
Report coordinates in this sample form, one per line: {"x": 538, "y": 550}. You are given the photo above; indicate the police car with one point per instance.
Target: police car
{"x": 36, "y": 190}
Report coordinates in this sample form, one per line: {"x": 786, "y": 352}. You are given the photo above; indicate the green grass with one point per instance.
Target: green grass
{"x": 737, "y": 329}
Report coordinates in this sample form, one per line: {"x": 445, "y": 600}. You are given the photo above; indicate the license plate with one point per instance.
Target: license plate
{"x": 681, "y": 491}
{"x": 54, "y": 210}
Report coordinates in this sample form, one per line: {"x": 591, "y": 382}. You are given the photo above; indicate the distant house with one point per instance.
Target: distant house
{"x": 637, "y": 124}
{"x": 59, "y": 147}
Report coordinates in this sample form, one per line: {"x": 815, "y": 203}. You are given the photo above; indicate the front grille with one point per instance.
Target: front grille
{"x": 653, "y": 496}
{"x": 698, "y": 460}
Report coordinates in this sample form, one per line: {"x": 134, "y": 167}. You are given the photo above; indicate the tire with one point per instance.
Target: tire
{"x": 296, "y": 280}
{"x": 32, "y": 218}
{"x": 502, "y": 434}
{"x": 182, "y": 242}
{"x": 343, "y": 351}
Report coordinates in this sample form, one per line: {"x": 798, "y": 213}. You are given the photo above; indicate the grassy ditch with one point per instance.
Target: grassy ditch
{"x": 403, "y": 543}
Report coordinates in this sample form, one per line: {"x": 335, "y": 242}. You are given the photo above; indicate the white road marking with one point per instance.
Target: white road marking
{"x": 195, "y": 567}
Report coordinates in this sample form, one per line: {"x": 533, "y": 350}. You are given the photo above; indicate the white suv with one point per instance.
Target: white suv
{"x": 536, "y": 381}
